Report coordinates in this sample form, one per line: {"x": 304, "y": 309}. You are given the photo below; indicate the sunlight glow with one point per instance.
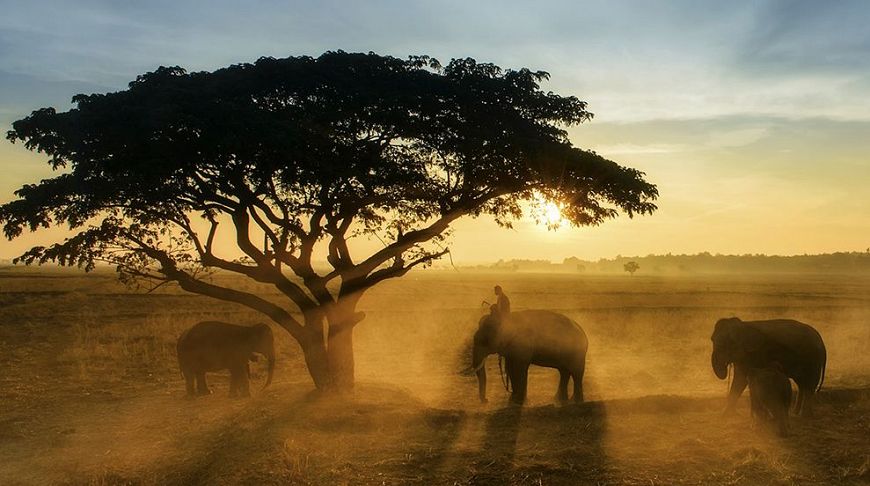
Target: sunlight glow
{"x": 552, "y": 214}
{"x": 546, "y": 213}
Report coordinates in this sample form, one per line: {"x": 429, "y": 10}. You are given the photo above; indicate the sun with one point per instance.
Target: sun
{"x": 552, "y": 214}
{"x": 546, "y": 213}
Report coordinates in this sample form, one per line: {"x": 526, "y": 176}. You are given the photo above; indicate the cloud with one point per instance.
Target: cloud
{"x": 631, "y": 61}
{"x": 796, "y": 37}
{"x": 700, "y": 95}
{"x": 634, "y": 149}
{"x": 21, "y": 94}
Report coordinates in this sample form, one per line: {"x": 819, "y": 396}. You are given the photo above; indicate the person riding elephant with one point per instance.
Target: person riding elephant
{"x": 502, "y": 303}
{"x": 214, "y": 346}
{"x": 528, "y": 337}
{"x": 797, "y": 347}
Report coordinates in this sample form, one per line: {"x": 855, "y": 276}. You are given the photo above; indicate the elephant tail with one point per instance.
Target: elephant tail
{"x": 824, "y": 360}
{"x": 505, "y": 378}
{"x": 180, "y": 365}
{"x": 179, "y": 353}
{"x": 824, "y": 369}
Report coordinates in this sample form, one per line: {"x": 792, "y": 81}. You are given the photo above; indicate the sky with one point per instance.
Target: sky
{"x": 752, "y": 117}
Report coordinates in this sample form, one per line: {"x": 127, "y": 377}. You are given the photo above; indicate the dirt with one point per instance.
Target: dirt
{"x": 92, "y": 393}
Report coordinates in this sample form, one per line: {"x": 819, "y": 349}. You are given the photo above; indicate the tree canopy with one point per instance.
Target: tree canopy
{"x": 306, "y": 153}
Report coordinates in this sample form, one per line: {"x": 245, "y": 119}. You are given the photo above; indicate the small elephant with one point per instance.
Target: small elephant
{"x": 796, "y": 346}
{"x": 213, "y": 346}
{"x": 770, "y": 396}
{"x": 530, "y": 337}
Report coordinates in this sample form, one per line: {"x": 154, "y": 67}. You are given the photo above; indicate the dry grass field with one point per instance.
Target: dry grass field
{"x": 90, "y": 391}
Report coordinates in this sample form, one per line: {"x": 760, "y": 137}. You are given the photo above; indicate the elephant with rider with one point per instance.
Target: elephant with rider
{"x": 531, "y": 337}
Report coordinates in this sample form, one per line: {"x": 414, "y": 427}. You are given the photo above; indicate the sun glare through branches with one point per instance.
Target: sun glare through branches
{"x": 546, "y": 213}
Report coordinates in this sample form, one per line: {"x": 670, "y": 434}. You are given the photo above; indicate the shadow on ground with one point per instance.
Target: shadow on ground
{"x": 383, "y": 435}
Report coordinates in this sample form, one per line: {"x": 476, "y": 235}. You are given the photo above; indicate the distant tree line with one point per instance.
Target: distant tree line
{"x": 839, "y": 263}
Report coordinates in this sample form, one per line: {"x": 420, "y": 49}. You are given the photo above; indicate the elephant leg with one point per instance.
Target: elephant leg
{"x": 189, "y": 382}
{"x": 805, "y": 398}
{"x": 239, "y": 380}
{"x": 234, "y": 385}
{"x": 201, "y": 384}
{"x": 782, "y": 420}
{"x": 799, "y": 401}
{"x": 562, "y": 392}
{"x": 577, "y": 376}
{"x": 235, "y": 380}
{"x": 809, "y": 403}
{"x": 738, "y": 384}
{"x": 755, "y": 407}
{"x": 244, "y": 382}
{"x": 519, "y": 375}
{"x": 481, "y": 385}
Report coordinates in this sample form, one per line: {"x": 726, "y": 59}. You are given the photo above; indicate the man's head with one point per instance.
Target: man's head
{"x": 498, "y": 290}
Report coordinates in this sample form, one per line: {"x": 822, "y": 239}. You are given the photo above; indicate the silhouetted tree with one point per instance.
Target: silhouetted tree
{"x": 631, "y": 267}
{"x": 298, "y": 156}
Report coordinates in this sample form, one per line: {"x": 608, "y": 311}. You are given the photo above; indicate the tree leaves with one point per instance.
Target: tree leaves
{"x": 306, "y": 150}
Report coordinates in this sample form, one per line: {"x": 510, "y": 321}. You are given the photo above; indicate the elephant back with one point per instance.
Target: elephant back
{"x": 214, "y": 333}
{"x": 548, "y": 329}
{"x": 796, "y": 336}
{"x": 801, "y": 341}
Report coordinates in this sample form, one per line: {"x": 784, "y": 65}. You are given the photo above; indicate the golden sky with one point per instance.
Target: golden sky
{"x": 753, "y": 118}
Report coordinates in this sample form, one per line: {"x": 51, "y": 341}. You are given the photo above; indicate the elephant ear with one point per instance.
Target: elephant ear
{"x": 747, "y": 338}
{"x": 489, "y": 321}
{"x": 725, "y": 328}
{"x": 487, "y": 329}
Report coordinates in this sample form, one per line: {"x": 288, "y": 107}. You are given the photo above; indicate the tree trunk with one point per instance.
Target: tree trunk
{"x": 316, "y": 359}
{"x": 340, "y": 356}
{"x": 339, "y": 345}
{"x": 330, "y": 361}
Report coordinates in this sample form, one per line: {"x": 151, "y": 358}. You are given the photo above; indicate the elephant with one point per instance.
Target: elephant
{"x": 528, "y": 337}
{"x": 770, "y": 396}
{"x": 213, "y": 346}
{"x": 796, "y": 346}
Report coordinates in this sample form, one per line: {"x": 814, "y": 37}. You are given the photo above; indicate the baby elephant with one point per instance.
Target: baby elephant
{"x": 770, "y": 396}
{"x": 213, "y": 346}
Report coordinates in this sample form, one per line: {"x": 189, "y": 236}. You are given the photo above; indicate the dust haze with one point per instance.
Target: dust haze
{"x": 93, "y": 394}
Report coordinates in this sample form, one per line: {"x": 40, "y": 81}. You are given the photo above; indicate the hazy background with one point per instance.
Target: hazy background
{"x": 94, "y": 396}
{"x": 751, "y": 116}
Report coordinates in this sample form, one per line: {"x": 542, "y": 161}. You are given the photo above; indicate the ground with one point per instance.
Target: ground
{"x": 91, "y": 392}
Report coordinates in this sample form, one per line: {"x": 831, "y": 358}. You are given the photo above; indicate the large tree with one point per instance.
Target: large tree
{"x": 298, "y": 156}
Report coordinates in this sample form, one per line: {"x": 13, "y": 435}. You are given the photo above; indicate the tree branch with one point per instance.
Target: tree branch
{"x": 191, "y": 284}
{"x": 400, "y": 269}
{"x": 265, "y": 270}
{"x": 401, "y": 244}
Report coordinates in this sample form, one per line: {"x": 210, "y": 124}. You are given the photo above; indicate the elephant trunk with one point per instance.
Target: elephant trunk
{"x": 478, "y": 360}
{"x": 720, "y": 364}
{"x": 271, "y": 371}
{"x": 270, "y": 359}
